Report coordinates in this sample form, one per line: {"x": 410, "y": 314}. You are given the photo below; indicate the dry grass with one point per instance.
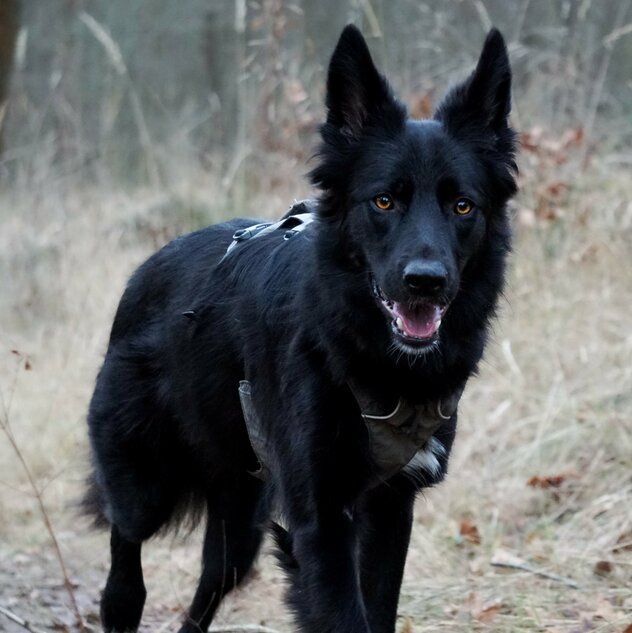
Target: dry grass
{"x": 553, "y": 398}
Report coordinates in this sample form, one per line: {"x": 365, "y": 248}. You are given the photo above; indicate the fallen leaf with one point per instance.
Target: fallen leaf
{"x": 628, "y": 629}
{"x": 556, "y": 189}
{"x": 549, "y": 481}
{"x": 488, "y": 611}
{"x": 469, "y": 532}
{"x": 602, "y": 568}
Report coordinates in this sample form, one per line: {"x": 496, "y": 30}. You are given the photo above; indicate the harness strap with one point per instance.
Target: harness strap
{"x": 298, "y": 217}
{"x": 255, "y": 432}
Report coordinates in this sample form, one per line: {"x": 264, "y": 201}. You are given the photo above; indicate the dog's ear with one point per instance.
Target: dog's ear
{"x": 484, "y": 98}
{"x": 355, "y": 88}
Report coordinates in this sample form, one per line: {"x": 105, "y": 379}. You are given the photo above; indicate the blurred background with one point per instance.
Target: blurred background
{"x": 124, "y": 124}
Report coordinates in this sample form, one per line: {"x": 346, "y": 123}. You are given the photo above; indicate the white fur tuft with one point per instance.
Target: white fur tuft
{"x": 426, "y": 459}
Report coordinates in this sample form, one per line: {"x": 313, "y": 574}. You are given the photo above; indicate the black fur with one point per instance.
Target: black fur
{"x": 299, "y": 319}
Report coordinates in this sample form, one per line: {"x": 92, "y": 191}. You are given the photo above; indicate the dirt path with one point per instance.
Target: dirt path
{"x": 463, "y": 592}
{"x": 31, "y": 585}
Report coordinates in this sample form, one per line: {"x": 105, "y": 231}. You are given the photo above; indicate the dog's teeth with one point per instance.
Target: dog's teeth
{"x": 399, "y": 323}
{"x": 438, "y": 324}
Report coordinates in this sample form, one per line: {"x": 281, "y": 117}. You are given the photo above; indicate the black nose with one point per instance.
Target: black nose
{"x": 425, "y": 277}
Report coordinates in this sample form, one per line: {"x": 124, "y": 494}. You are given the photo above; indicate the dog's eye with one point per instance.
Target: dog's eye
{"x": 383, "y": 202}
{"x": 463, "y": 206}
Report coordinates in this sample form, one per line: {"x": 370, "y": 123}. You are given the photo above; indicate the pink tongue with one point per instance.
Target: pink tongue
{"x": 420, "y": 322}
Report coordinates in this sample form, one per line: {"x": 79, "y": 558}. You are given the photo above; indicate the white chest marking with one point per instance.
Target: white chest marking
{"x": 426, "y": 459}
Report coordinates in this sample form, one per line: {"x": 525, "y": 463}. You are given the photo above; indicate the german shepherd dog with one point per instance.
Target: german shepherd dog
{"x": 311, "y": 381}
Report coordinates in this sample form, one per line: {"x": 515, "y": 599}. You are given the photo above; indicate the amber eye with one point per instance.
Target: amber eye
{"x": 463, "y": 206}
{"x": 383, "y": 202}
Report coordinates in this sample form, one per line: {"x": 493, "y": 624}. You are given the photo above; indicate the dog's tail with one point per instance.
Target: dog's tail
{"x": 92, "y": 504}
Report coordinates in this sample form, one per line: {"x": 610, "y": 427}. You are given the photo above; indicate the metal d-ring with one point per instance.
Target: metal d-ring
{"x": 440, "y": 412}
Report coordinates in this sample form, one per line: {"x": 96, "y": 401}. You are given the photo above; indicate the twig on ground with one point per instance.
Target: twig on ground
{"x": 18, "y": 620}
{"x": 509, "y": 561}
{"x": 6, "y": 428}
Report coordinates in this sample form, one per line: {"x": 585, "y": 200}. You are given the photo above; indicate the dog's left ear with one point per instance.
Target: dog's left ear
{"x": 484, "y": 98}
{"x": 355, "y": 88}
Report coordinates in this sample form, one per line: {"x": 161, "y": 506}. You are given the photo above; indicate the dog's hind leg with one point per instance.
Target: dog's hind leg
{"x": 385, "y": 524}
{"x": 124, "y": 595}
{"x": 233, "y": 535}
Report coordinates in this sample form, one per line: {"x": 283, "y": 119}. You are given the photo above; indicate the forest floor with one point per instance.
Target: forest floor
{"x": 532, "y": 531}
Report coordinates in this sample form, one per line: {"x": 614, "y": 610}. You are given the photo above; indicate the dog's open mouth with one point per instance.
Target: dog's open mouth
{"x": 416, "y": 323}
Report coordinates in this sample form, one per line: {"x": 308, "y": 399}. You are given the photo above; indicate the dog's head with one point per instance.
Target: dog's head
{"x": 416, "y": 201}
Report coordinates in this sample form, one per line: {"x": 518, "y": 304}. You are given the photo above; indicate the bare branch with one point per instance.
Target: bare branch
{"x": 509, "y": 561}
{"x": 18, "y": 620}
{"x": 5, "y": 427}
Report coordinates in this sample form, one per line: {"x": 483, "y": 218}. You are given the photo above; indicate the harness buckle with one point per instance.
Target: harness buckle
{"x": 241, "y": 234}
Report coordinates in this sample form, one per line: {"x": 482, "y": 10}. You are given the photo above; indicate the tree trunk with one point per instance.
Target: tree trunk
{"x": 9, "y": 27}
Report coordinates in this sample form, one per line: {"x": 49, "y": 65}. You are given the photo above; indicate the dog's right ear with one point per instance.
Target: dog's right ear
{"x": 484, "y": 98}
{"x": 355, "y": 88}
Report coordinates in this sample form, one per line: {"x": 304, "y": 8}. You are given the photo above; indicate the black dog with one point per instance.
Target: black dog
{"x": 309, "y": 372}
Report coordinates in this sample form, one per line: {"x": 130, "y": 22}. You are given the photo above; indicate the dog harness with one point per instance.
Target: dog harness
{"x": 395, "y": 437}
{"x": 396, "y": 434}
{"x": 298, "y": 217}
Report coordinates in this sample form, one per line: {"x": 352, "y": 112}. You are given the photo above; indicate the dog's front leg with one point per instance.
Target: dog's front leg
{"x": 384, "y": 521}
{"x": 318, "y": 470}
{"x": 325, "y": 587}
